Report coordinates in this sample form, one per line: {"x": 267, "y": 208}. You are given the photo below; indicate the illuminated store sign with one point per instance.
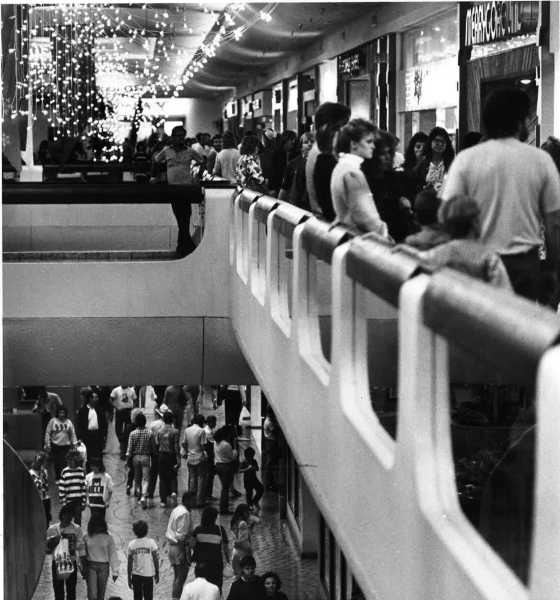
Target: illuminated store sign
{"x": 431, "y": 86}
{"x": 351, "y": 64}
{"x": 487, "y": 22}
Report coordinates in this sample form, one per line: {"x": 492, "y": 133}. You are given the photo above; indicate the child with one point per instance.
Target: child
{"x": 431, "y": 234}
{"x": 242, "y": 524}
{"x": 99, "y": 488}
{"x": 249, "y": 468}
{"x": 69, "y": 557}
{"x": 465, "y": 252}
{"x": 40, "y": 477}
{"x": 72, "y": 486}
{"x": 143, "y": 563}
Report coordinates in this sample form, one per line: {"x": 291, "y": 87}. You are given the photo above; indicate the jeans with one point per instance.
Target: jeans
{"x": 225, "y": 471}
{"x": 58, "y": 454}
{"x": 253, "y": 485}
{"x": 182, "y": 211}
{"x": 152, "y": 480}
{"x": 122, "y": 419}
{"x": 60, "y": 584}
{"x": 77, "y": 508}
{"x": 97, "y": 575}
{"x": 167, "y": 475}
{"x": 141, "y": 467}
{"x": 97, "y": 512}
{"x": 94, "y": 444}
{"x": 197, "y": 480}
{"x": 142, "y": 587}
{"x": 210, "y": 469}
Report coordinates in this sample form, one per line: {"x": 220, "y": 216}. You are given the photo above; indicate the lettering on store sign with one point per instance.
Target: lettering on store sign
{"x": 488, "y": 22}
{"x": 351, "y": 64}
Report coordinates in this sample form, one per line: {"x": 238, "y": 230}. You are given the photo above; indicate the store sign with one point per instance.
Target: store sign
{"x": 351, "y": 64}
{"x": 487, "y": 22}
{"x": 431, "y": 86}
{"x": 257, "y": 104}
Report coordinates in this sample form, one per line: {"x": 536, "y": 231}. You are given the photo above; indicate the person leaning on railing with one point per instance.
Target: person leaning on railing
{"x": 352, "y": 199}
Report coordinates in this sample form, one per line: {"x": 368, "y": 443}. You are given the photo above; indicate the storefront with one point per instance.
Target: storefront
{"x": 278, "y": 107}
{"x": 261, "y": 107}
{"x": 498, "y": 48}
{"x": 367, "y": 82}
{"x": 291, "y": 103}
{"x": 230, "y": 115}
{"x": 308, "y": 91}
{"x": 428, "y": 76}
{"x": 246, "y": 116}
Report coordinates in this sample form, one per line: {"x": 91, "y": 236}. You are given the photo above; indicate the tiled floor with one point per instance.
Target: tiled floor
{"x": 273, "y": 546}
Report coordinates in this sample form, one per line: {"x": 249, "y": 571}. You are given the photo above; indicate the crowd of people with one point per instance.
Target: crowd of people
{"x": 154, "y": 451}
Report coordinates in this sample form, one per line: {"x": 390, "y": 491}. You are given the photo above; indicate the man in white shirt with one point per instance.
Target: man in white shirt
{"x": 91, "y": 425}
{"x": 178, "y": 158}
{"x": 194, "y": 440}
{"x": 180, "y": 542}
{"x": 123, "y": 399}
{"x": 200, "y": 588}
{"x": 516, "y": 187}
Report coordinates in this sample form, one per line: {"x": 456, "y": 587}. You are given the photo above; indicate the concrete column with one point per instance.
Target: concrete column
{"x": 310, "y": 523}
{"x": 256, "y": 416}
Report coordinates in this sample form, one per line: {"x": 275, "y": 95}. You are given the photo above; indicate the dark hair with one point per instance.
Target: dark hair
{"x": 211, "y": 419}
{"x": 97, "y": 524}
{"x": 459, "y": 216}
{"x": 240, "y": 512}
{"x": 208, "y": 517}
{"x": 354, "y": 131}
{"x": 249, "y": 452}
{"x": 503, "y": 110}
{"x": 228, "y": 140}
{"x": 248, "y": 561}
{"x": 274, "y": 576}
{"x": 426, "y": 207}
{"x": 167, "y": 417}
{"x": 409, "y": 156}
{"x": 325, "y": 138}
{"x": 97, "y": 462}
{"x": 198, "y": 420}
{"x": 448, "y": 153}
{"x": 178, "y": 129}
{"x": 73, "y": 455}
{"x": 471, "y": 138}
{"x": 221, "y": 434}
{"x": 188, "y": 498}
{"x": 86, "y": 392}
{"x": 140, "y": 420}
{"x": 68, "y": 509}
{"x": 59, "y": 408}
{"x": 249, "y": 144}
{"x": 140, "y": 528}
{"x": 384, "y": 139}
{"x": 331, "y": 113}
{"x": 552, "y": 146}
{"x": 201, "y": 569}
{"x": 288, "y": 136}
{"x": 141, "y": 147}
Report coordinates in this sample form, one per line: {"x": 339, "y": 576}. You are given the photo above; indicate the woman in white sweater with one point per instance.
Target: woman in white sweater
{"x": 60, "y": 436}
{"x": 352, "y": 199}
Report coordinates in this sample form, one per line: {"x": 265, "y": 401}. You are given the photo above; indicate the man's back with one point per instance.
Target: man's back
{"x": 200, "y": 589}
{"x": 514, "y": 184}
{"x": 193, "y": 443}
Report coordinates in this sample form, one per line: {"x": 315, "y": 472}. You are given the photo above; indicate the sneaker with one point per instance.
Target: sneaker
{"x": 174, "y": 499}
{"x": 143, "y": 502}
{"x": 128, "y": 488}
{"x": 162, "y": 504}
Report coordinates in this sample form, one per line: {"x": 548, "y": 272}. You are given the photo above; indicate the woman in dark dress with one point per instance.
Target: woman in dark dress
{"x": 439, "y": 156}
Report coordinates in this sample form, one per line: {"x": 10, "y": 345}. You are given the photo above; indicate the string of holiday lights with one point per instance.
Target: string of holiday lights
{"x": 85, "y": 66}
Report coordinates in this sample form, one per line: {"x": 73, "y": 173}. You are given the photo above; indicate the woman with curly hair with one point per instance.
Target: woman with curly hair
{"x": 248, "y": 171}
{"x": 439, "y": 156}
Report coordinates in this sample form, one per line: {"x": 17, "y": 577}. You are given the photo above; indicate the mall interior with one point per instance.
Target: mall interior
{"x": 392, "y": 407}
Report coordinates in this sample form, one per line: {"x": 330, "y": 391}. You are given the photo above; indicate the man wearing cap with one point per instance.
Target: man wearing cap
{"x": 91, "y": 424}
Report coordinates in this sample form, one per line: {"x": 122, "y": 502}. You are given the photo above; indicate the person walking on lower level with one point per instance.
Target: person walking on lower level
{"x": 99, "y": 488}
{"x": 194, "y": 440}
{"x": 169, "y": 458}
{"x": 101, "y": 554}
{"x": 143, "y": 563}
{"x": 180, "y": 542}
{"x": 60, "y": 437}
{"x": 72, "y": 486}
{"x": 211, "y": 546}
{"x": 225, "y": 457}
{"x": 139, "y": 450}
{"x": 201, "y": 588}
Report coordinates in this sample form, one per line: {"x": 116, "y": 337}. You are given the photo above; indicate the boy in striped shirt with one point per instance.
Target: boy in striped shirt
{"x": 72, "y": 486}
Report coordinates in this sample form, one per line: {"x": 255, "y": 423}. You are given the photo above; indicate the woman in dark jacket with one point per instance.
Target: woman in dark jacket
{"x": 211, "y": 546}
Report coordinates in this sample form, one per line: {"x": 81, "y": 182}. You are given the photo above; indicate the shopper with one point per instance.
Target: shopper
{"x": 40, "y": 476}
{"x": 516, "y": 187}
{"x": 101, "y": 553}
{"x": 139, "y": 450}
{"x": 272, "y": 585}
{"x": 248, "y": 172}
{"x": 123, "y": 398}
{"x": 209, "y": 429}
{"x": 225, "y": 457}
{"x": 143, "y": 563}
{"x": 211, "y": 546}
{"x": 247, "y": 586}
{"x": 169, "y": 459}
{"x": 91, "y": 427}
{"x": 72, "y": 486}
{"x": 201, "y": 588}
{"x": 60, "y": 437}
{"x": 99, "y": 489}
{"x": 426, "y": 207}
{"x": 65, "y": 541}
{"x": 180, "y": 542}
{"x": 193, "y": 444}
{"x": 226, "y": 161}
{"x": 352, "y": 199}
{"x": 415, "y": 152}
{"x": 439, "y": 155}
{"x": 293, "y": 188}
{"x": 242, "y": 525}
{"x": 249, "y": 467}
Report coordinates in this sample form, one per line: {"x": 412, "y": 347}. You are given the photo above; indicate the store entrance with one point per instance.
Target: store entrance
{"x": 525, "y": 82}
